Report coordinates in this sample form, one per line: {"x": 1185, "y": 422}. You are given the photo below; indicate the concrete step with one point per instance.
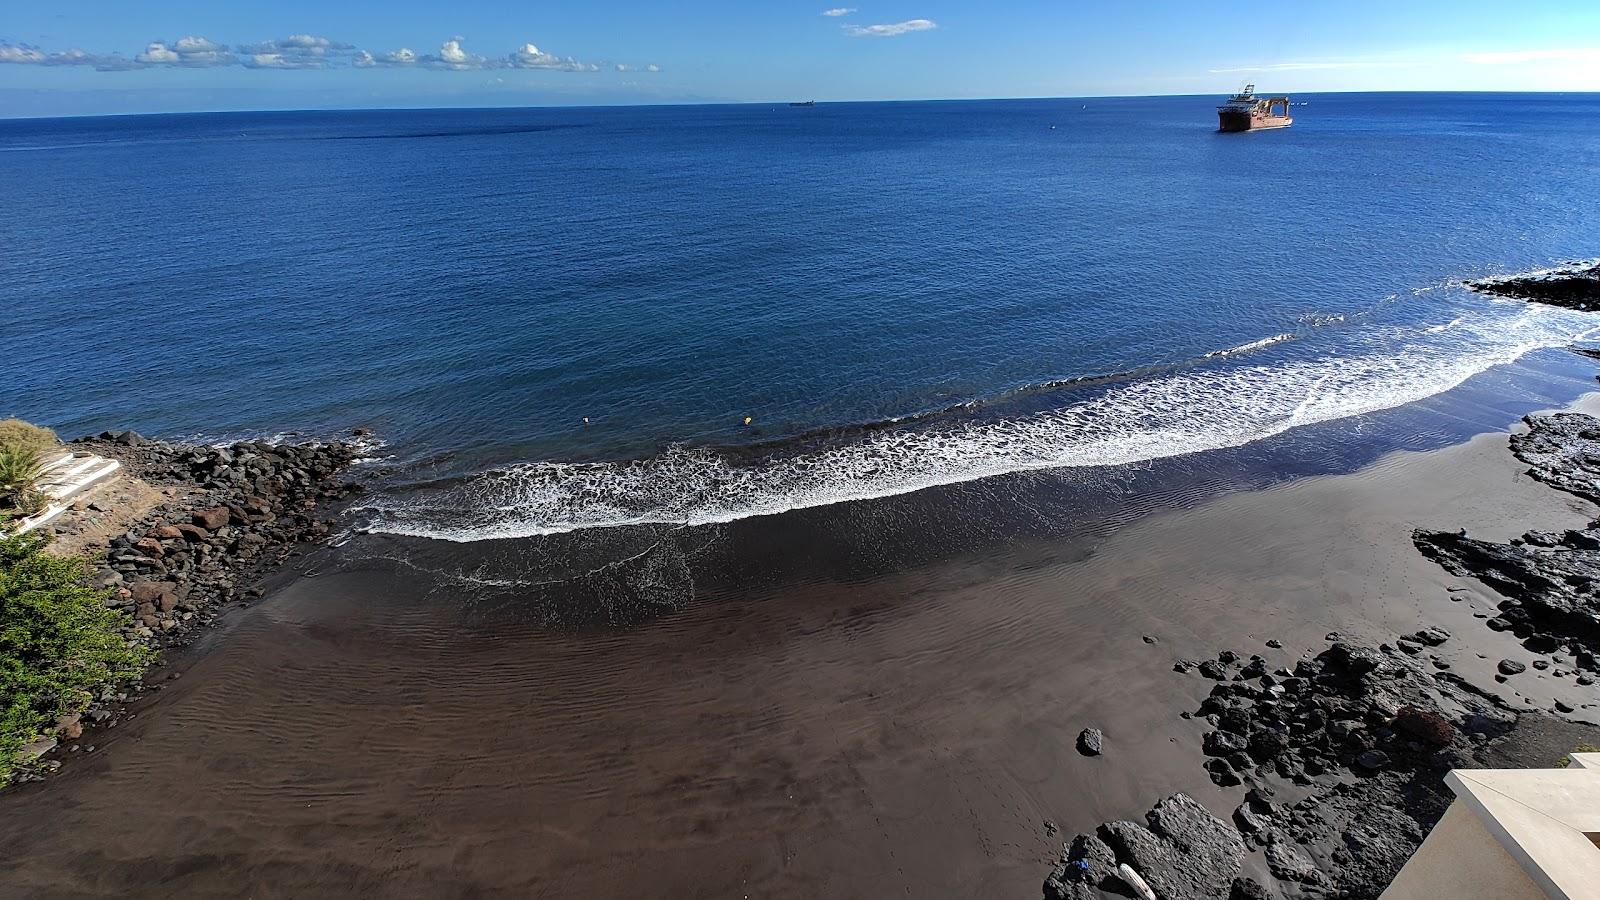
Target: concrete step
{"x": 82, "y": 477}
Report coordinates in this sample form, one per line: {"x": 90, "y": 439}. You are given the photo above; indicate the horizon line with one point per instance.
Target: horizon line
{"x": 704, "y": 103}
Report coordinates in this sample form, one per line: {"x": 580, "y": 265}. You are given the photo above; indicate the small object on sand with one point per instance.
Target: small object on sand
{"x": 1128, "y": 875}
{"x": 1151, "y": 639}
{"x": 1090, "y": 741}
{"x": 748, "y": 419}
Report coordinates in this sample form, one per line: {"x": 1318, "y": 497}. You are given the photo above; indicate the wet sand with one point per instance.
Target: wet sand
{"x": 906, "y": 734}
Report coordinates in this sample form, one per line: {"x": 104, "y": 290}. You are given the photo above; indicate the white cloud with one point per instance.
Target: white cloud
{"x": 312, "y": 42}
{"x": 297, "y": 51}
{"x": 1519, "y": 57}
{"x": 186, "y": 51}
{"x": 892, "y": 29}
{"x": 26, "y": 54}
{"x": 157, "y": 54}
{"x": 451, "y": 55}
{"x": 839, "y": 11}
{"x": 193, "y": 44}
{"x": 280, "y": 61}
{"x": 652, "y": 68}
{"x": 301, "y": 51}
{"x": 73, "y": 57}
{"x": 454, "y": 57}
{"x": 1309, "y": 66}
{"x": 197, "y": 51}
{"x": 530, "y": 57}
{"x": 405, "y": 56}
{"x": 21, "y": 54}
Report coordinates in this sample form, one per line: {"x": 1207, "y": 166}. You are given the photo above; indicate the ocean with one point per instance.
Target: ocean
{"x": 556, "y": 320}
{"x": 1044, "y": 397}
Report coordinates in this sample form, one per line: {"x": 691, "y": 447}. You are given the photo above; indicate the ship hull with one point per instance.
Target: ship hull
{"x": 1244, "y": 120}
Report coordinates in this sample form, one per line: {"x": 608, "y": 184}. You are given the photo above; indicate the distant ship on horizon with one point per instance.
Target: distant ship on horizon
{"x": 1245, "y": 111}
{"x": 804, "y": 103}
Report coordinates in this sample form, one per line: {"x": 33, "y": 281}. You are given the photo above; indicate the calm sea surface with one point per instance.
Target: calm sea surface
{"x": 899, "y": 295}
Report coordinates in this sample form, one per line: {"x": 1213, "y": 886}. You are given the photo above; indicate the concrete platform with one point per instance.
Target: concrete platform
{"x": 1512, "y": 834}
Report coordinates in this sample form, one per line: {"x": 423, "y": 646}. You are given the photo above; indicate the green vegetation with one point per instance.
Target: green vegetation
{"x": 17, "y": 433}
{"x": 22, "y": 452}
{"x": 20, "y": 467}
{"x": 1565, "y": 761}
{"x": 59, "y": 644}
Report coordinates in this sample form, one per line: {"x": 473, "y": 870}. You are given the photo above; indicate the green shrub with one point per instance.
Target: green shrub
{"x": 17, "y": 433}
{"x": 59, "y": 644}
{"x": 20, "y": 467}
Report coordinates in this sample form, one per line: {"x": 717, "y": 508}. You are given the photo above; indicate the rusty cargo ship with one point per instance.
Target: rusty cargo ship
{"x": 1245, "y": 111}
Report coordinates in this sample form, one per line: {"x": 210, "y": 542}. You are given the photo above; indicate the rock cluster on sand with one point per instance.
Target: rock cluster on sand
{"x": 1383, "y": 725}
{"x": 1549, "y": 581}
{"x": 1181, "y": 850}
{"x": 245, "y": 508}
{"x": 1367, "y": 734}
{"x": 1573, "y": 288}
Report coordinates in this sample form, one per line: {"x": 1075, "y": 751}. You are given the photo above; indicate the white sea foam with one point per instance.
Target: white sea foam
{"x": 1252, "y": 345}
{"x": 1564, "y": 268}
{"x": 1225, "y": 403}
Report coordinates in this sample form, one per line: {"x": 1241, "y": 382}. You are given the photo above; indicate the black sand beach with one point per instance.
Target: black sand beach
{"x": 877, "y": 729}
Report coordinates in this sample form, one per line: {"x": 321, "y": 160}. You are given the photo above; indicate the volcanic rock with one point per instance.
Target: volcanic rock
{"x": 1572, "y": 288}
{"x": 1185, "y": 852}
{"x": 1090, "y": 741}
{"x": 211, "y": 519}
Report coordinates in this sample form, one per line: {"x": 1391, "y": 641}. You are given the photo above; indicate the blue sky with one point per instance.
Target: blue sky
{"x": 68, "y": 57}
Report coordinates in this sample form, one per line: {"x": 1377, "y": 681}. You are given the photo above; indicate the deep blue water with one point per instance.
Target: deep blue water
{"x": 472, "y": 284}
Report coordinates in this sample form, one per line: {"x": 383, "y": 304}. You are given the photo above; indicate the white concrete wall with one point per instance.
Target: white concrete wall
{"x": 1461, "y": 859}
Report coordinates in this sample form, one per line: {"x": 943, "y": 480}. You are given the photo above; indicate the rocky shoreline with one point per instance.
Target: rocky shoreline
{"x": 1548, "y": 581}
{"x": 1576, "y": 287}
{"x": 234, "y": 513}
{"x": 1344, "y": 754}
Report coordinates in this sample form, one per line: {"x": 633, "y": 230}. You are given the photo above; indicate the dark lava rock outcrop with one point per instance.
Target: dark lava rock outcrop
{"x": 1550, "y": 582}
{"x": 1574, "y": 288}
{"x": 1370, "y": 731}
{"x": 1181, "y": 850}
{"x": 1563, "y": 451}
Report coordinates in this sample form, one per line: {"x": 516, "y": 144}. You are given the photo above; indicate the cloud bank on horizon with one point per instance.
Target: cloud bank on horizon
{"x": 760, "y": 52}
{"x": 310, "y": 51}
{"x": 302, "y": 51}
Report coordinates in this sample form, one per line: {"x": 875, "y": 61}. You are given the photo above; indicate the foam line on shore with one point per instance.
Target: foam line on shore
{"x": 1225, "y": 405}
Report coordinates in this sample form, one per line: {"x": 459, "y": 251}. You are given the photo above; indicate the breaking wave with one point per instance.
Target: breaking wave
{"x": 1252, "y": 345}
{"x": 1226, "y": 402}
